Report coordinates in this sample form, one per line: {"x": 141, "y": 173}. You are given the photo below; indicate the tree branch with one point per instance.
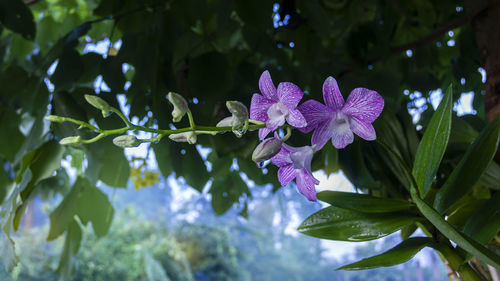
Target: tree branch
{"x": 31, "y": 2}
{"x": 434, "y": 35}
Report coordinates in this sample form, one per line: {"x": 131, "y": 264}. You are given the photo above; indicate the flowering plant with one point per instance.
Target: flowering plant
{"x": 268, "y": 113}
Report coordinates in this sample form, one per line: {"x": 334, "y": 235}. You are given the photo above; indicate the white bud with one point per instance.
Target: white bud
{"x": 126, "y": 141}
{"x": 180, "y": 106}
{"x": 189, "y": 137}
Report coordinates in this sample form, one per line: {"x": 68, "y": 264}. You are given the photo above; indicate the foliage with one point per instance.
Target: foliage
{"x": 213, "y": 51}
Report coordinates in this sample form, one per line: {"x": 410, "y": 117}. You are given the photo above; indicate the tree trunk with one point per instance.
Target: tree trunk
{"x": 485, "y": 19}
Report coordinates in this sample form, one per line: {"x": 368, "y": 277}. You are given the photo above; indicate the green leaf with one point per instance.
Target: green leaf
{"x": 220, "y": 165}
{"x": 3, "y": 182}
{"x": 62, "y": 216}
{"x": 42, "y": 163}
{"x": 470, "y": 168}
{"x": 491, "y": 176}
{"x": 16, "y": 16}
{"x": 226, "y": 191}
{"x": 194, "y": 170}
{"x": 7, "y": 252}
{"x": 363, "y": 202}
{"x": 68, "y": 70}
{"x": 407, "y": 231}
{"x": 464, "y": 242}
{"x": 11, "y": 138}
{"x": 346, "y": 225}
{"x": 93, "y": 205}
{"x": 485, "y": 224}
{"x": 431, "y": 149}
{"x": 403, "y": 252}
{"x": 163, "y": 158}
{"x": 109, "y": 163}
{"x": 71, "y": 247}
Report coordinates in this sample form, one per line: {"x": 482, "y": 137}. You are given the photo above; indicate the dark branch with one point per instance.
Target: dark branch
{"x": 434, "y": 35}
{"x": 31, "y": 2}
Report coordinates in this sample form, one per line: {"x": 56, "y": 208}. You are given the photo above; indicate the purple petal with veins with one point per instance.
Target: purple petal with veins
{"x": 338, "y": 120}
{"x": 266, "y": 86}
{"x": 286, "y": 174}
{"x": 275, "y": 107}
{"x": 331, "y": 94}
{"x": 295, "y": 162}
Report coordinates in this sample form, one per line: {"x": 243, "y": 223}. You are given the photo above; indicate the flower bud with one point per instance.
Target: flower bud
{"x": 99, "y": 103}
{"x": 189, "y": 137}
{"x": 239, "y": 112}
{"x": 126, "y": 141}
{"x": 180, "y": 106}
{"x": 267, "y": 149}
{"x": 226, "y": 122}
{"x": 70, "y": 140}
{"x": 54, "y": 118}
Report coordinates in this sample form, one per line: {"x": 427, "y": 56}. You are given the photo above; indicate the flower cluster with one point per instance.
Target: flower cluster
{"x": 273, "y": 109}
{"x": 335, "y": 120}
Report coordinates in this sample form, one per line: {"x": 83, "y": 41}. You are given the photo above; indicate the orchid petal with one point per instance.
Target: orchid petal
{"x": 282, "y": 158}
{"x": 305, "y": 185}
{"x": 322, "y": 134}
{"x": 296, "y": 119}
{"x": 258, "y": 107}
{"x": 263, "y": 132}
{"x": 315, "y": 113}
{"x": 364, "y": 104}
{"x": 289, "y": 94}
{"x": 266, "y": 86}
{"x": 342, "y": 136}
{"x": 362, "y": 129}
{"x": 286, "y": 174}
{"x": 331, "y": 94}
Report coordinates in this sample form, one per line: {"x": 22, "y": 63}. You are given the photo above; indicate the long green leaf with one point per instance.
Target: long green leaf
{"x": 347, "y": 225}
{"x": 431, "y": 149}
{"x": 363, "y": 202}
{"x": 470, "y": 168}
{"x": 466, "y": 243}
{"x": 403, "y": 252}
{"x": 485, "y": 224}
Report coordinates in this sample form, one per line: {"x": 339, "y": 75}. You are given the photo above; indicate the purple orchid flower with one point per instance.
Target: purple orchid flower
{"x": 276, "y": 106}
{"x": 338, "y": 120}
{"x": 295, "y": 163}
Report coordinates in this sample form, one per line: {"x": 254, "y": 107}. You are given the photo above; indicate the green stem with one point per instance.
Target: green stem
{"x": 288, "y": 134}
{"x": 120, "y": 114}
{"x": 457, "y": 264}
{"x": 191, "y": 120}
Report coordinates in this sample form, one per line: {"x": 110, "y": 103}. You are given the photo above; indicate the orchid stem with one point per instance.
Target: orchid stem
{"x": 288, "y": 134}
{"x": 120, "y": 114}
{"x": 191, "y": 120}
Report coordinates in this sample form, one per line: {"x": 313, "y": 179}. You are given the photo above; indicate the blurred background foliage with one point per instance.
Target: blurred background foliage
{"x": 155, "y": 242}
{"x": 131, "y": 53}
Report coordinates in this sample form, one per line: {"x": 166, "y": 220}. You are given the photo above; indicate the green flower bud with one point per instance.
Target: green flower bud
{"x": 267, "y": 149}
{"x": 226, "y": 122}
{"x": 126, "y": 141}
{"x": 99, "y": 103}
{"x": 189, "y": 137}
{"x": 180, "y": 106}
{"x": 70, "y": 140}
{"x": 239, "y": 112}
{"x": 54, "y": 118}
